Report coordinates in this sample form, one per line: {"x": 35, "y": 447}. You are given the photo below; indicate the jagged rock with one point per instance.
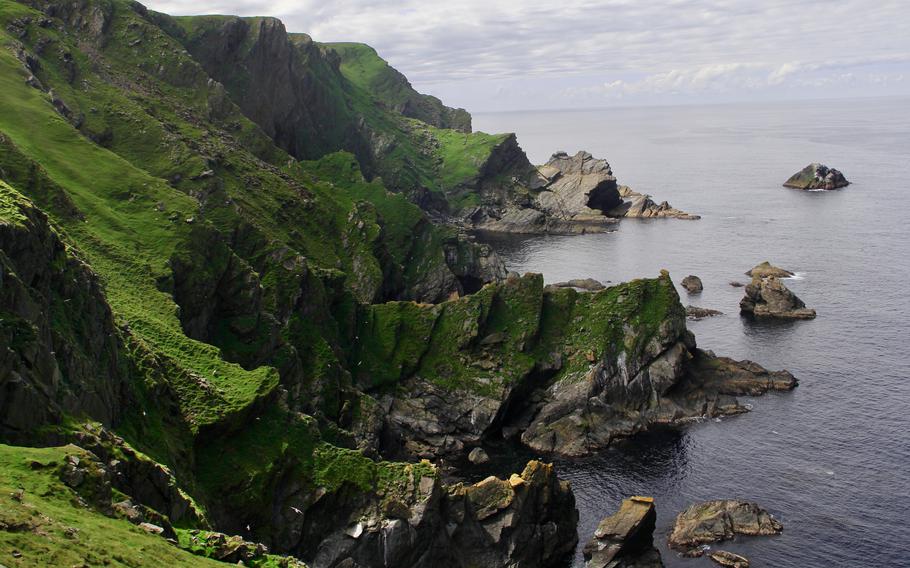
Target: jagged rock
{"x": 626, "y": 538}
{"x": 478, "y": 456}
{"x": 528, "y": 520}
{"x": 729, "y": 560}
{"x": 588, "y": 284}
{"x": 767, "y": 269}
{"x": 817, "y": 176}
{"x": 768, "y": 297}
{"x": 697, "y": 313}
{"x": 692, "y": 284}
{"x": 716, "y": 521}
{"x": 638, "y": 205}
{"x": 45, "y": 372}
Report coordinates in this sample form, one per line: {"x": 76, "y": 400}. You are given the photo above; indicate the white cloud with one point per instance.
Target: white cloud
{"x": 483, "y": 54}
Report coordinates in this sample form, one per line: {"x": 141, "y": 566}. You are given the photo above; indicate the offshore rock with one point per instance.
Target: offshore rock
{"x": 697, "y": 313}
{"x": 817, "y": 176}
{"x": 626, "y": 538}
{"x": 716, "y": 521}
{"x": 729, "y": 560}
{"x": 765, "y": 269}
{"x": 768, "y": 297}
{"x": 692, "y": 284}
{"x": 588, "y": 284}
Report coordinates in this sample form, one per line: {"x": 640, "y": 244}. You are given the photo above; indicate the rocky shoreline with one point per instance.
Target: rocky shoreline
{"x": 567, "y": 195}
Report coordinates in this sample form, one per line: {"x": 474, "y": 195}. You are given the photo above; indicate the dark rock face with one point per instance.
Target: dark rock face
{"x": 716, "y": 521}
{"x": 817, "y": 176}
{"x": 768, "y": 297}
{"x": 283, "y": 86}
{"x": 527, "y": 520}
{"x": 626, "y": 538}
{"x": 52, "y": 365}
{"x": 692, "y": 284}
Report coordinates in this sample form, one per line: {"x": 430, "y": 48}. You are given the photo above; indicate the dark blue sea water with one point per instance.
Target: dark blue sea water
{"x": 832, "y": 458}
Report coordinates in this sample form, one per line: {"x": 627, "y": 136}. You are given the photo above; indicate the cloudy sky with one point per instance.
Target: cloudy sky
{"x": 509, "y": 54}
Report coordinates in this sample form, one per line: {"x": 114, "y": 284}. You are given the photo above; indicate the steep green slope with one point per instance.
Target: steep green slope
{"x": 361, "y": 65}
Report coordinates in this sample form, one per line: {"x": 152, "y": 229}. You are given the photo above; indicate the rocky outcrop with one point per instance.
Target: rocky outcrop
{"x": 565, "y": 371}
{"x": 526, "y": 520}
{"x": 729, "y": 559}
{"x": 768, "y": 297}
{"x": 697, "y": 313}
{"x": 625, "y": 539}
{"x": 716, "y": 521}
{"x": 567, "y": 195}
{"x": 765, "y": 269}
{"x": 817, "y": 176}
{"x": 641, "y": 206}
{"x": 692, "y": 284}
{"x": 588, "y": 284}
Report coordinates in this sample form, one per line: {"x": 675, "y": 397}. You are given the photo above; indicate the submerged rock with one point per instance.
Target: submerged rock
{"x": 716, "y": 521}
{"x": 768, "y": 297}
{"x": 817, "y": 176}
{"x": 625, "y": 538}
{"x": 696, "y": 313}
{"x": 765, "y": 269}
{"x": 729, "y": 560}
{"x": 692, "y": 284}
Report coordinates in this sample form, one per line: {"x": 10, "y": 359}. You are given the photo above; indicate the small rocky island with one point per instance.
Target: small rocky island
{"x": 817, "y": 176}
{"x": 767, "y": 296}
{"x": 717, "y": 521}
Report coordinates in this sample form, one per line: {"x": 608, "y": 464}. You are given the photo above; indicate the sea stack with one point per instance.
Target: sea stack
{"x": 625, "y": 538}
{"x": 817, "y": 176}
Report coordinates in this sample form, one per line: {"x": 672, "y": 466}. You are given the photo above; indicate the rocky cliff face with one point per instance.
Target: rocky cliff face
{"x": 62, "y": 352}
{"x": 566, "y": 371}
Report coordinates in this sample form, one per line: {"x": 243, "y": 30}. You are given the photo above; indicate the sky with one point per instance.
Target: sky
{"x": 496, "y": 55}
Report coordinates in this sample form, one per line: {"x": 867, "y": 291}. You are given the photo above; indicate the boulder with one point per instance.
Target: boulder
{"x": 478, "y": 456}
{"x": 729, "y": 560}
{"x": 692, "y": 284}
{"x": 639, "y": 205}
{"x": 588, "y": 284}
{"x": 817, "y": 176}
{"x": 625, "y": 538}
{"x": 696, "y": 313}
{"x": 716, "y": 521}
{"x": 767, "y": 269}
{"x": 768, "y": 297}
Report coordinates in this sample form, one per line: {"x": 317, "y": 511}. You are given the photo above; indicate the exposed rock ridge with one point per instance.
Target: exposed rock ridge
{"x": 568, "y": 194}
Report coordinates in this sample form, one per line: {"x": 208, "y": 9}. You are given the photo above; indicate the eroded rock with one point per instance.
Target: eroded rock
{"x": 769, "y": 297}
{"x": 692, "y": 284}
{"x": 729, "y": 559}
{"x": 716, "y": 521}
{"x": 766, "y": 269}
{"x": 625, "y": 538}
{"x": 817, "y": 176}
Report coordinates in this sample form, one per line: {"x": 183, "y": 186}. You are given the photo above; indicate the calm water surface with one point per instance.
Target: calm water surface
{"x": 832, "y": 458}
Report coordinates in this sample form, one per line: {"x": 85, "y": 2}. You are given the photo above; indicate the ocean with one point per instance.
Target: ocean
{"x": 831, "y": 459}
